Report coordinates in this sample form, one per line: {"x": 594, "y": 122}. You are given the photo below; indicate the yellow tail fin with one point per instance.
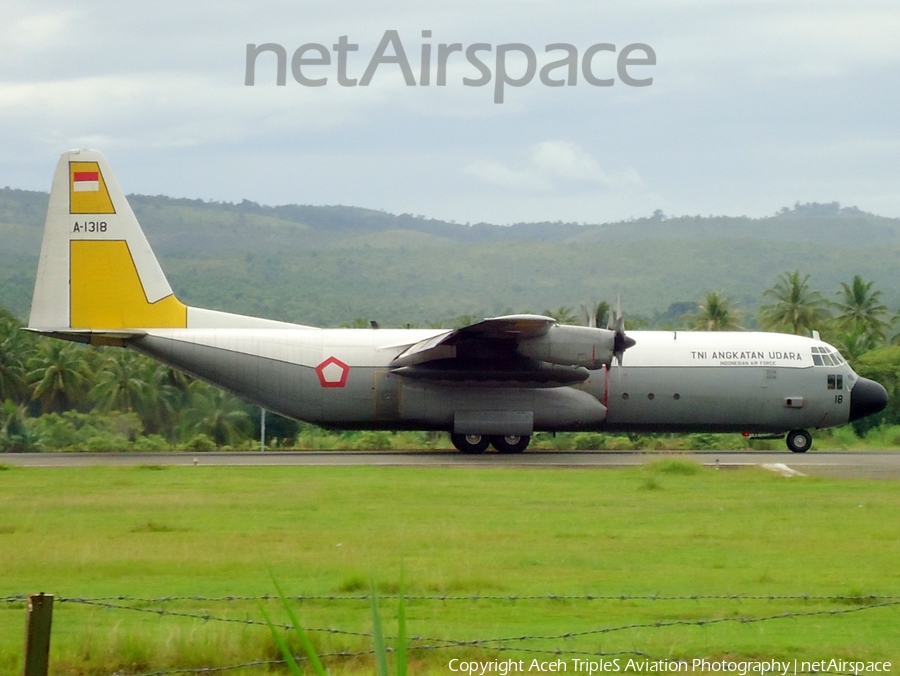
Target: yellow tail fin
{"x": 97, "y": 270}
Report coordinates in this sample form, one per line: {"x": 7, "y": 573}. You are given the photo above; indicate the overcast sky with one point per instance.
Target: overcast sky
{"x": 754, "y": 105}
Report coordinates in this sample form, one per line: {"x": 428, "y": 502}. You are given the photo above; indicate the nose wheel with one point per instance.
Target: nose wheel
{"x": 799, "y": 441}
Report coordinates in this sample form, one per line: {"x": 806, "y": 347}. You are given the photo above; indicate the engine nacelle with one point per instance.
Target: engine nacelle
{"x": 571, "y": 346}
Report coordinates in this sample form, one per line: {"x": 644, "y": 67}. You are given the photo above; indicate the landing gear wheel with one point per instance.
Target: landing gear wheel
{"x": 470, "y": 443}
{"x": 510, "y": 443}
{"x": 799, "y": 441}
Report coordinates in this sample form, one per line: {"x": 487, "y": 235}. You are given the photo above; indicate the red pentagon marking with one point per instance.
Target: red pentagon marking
{"x": 332, "y": 372}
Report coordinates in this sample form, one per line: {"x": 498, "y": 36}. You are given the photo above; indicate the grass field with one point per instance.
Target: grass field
{"x": 669, "y": 529}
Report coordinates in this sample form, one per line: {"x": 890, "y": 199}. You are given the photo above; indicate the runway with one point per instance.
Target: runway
{"x": 847, "y": 464}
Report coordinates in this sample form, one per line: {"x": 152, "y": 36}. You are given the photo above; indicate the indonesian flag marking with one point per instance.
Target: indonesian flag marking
{"x": 86, "y": 181}
{"x": 88, "y": 192}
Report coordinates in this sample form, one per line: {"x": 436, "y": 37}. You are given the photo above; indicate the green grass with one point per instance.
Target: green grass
{"x": 670, "y": 528}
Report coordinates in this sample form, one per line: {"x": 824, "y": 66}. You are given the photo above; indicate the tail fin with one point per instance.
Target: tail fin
{"x": 97, "y": 271}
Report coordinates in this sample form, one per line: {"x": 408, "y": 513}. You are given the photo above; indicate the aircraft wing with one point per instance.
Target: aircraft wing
{"x": 498, "y": 331}
{"x": 508, "y": 327}
{"x": 489, "y": 352}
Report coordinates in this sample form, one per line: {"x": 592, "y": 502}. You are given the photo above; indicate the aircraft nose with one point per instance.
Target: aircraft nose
{"x": 866, "y": 398}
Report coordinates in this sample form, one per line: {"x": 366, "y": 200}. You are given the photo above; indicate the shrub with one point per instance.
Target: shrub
{"x": 617, "y": 443}
{"x": 588, "y": 441}
{"x": 201, "y": 442}
{"x": 371, "y": 441}
{"x": 152, "y": 442}
{"x": 105, "y": 441}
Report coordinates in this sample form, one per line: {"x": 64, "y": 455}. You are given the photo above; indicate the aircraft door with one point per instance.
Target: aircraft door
{"x": 770, "y": 379}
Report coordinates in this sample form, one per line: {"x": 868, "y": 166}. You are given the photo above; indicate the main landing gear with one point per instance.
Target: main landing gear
{"x": 799, "y": 441}
{"x": 470, "y": 443}
{"x": 510, "y": 443}
{"x": 478, "y": 443}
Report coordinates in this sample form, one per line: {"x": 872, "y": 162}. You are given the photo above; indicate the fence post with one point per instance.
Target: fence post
{"x": 37, "y": 634}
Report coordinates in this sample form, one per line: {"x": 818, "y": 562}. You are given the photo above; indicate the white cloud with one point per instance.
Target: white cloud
{"x": 38, "y": 31}
{"x": 165, "y": 108}
{"x": 553, "y": 166}
{"x": 496, "y": 174}
{"x": 755, "y": 104}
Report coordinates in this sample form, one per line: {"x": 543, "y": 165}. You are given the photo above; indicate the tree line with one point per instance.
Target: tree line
{"x": 855, "y": 321}
{"x": 61, "y": 395}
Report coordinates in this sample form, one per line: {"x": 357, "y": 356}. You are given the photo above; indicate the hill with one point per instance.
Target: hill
{"x": 328, "y": 265}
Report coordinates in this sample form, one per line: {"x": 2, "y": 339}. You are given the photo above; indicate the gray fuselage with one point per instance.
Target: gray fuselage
{"x": 671, "y": 381}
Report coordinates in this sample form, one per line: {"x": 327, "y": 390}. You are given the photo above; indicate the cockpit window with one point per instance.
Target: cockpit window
{"x": 823, "y": 356}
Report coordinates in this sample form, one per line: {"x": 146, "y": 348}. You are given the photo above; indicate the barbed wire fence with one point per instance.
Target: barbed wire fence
{"x": 855, "y": 598}
{"x": 852, "y": 604}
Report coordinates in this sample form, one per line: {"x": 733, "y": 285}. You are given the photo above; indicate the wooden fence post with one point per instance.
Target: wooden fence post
{"x": 37, "y": 634}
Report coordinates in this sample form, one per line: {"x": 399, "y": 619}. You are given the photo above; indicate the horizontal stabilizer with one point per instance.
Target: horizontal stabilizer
{"x": 89, "y": 337}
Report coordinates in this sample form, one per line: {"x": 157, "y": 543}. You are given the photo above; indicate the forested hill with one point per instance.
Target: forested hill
{"x": 166, "y": 219}
{"x": 848, "y": 226}
{"x": 332, "y": 264}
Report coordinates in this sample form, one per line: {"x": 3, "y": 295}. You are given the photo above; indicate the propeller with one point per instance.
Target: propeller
{"x": 590, "y": 314}
{"x": 617, "y": 323}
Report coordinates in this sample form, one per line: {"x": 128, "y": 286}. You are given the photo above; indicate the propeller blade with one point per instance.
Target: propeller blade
{"x": 589, "y": 311}
{"x": 621, "y": 342}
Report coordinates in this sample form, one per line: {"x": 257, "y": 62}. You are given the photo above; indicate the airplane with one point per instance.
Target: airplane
{"x": 495, "y": 382}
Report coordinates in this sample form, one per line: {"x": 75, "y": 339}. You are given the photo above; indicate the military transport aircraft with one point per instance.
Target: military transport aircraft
{"x": 494, "y": 382}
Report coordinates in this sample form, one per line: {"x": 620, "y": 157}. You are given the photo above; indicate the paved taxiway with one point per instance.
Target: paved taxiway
{"x": 858, "y": 464}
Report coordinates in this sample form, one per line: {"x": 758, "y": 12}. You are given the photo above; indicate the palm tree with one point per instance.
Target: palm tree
{"x": 853, "y": 343}
{"x": 215, "y": 413}
{"x": 169, "y": 394}
{"x": 121, "y": 383}
{"x": 13, "y": 355}
{"x": 14, "y": 433}
{"x": 715, "y": 314}
{"x": 58, "y": 371}
{"x": 860, "y": 310}
{"x": 796, "y": 309}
